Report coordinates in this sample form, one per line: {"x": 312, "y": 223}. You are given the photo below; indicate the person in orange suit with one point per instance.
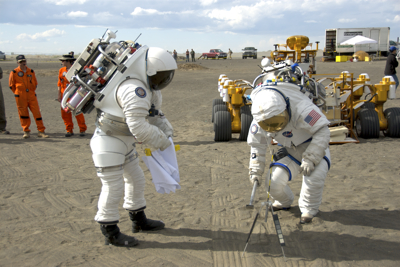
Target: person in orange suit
{"x": 23, "y": 84}
{"x": 67, "y": 61}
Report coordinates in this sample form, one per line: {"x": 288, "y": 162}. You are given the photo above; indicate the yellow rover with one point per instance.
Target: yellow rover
{"x": 232, "y": 113}
{"x": 345, "y": 106}
{"x": 306, "y": 58}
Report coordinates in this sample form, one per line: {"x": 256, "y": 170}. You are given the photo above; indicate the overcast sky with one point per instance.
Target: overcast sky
{"x": 60, "y": 26}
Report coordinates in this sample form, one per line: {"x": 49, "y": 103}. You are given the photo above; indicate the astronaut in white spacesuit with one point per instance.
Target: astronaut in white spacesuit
{"x": 284, "y": 113}
{"x": 122, "y": 80}
{"x": 123, "y": 120}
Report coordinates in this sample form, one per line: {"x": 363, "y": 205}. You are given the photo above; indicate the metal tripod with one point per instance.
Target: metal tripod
{"x": 268, "y": 206}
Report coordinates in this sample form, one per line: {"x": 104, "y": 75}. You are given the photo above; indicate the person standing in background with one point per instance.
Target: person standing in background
{"x": 391, "y": 65}
{"x": 230, "y": 53}
{"x": 23, "y": 84}
{"x": 3, "y": 121}
{"x": 187, "y": 55}
{"x": 67, "y": 61}
{"x": 192, "y": 54}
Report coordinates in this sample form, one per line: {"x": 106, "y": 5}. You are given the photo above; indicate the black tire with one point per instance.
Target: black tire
{"x": 223, "y": 126}
{"x": 218, "y": 107}
{"x": 255, "y": 57}
{"x": 367, "y": 124}
{"x": 245, "y": 123}
{"x": 369, "y": 105}
{"x": 242, "y": 57}
{"x": 245, "y": 110}
{"x": 393, "y": 122}
{"x": 217, "y": 101}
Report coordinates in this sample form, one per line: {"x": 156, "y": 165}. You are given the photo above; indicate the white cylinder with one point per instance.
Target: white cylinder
{"x": 220, "y": 78}
{"x": 366, "y": 88}
{"x": 225, "y": 95}
{"x": 346, "y": 74}
{"x": 392, "y": 88}
{"x": 222, "y": 86}
{"x": 77, "y": 97}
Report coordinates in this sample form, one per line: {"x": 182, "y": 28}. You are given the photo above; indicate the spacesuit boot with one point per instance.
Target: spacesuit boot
{"x": 140, "y": 222}
{"x": 114, "y": 237}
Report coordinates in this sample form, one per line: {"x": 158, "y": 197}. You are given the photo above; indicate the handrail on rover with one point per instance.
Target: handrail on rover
{"x": 350, "y": 124}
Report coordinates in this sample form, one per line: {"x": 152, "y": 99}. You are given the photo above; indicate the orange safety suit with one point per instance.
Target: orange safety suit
{"x": 23, "y": 85}
{"x": 67, "y": 116}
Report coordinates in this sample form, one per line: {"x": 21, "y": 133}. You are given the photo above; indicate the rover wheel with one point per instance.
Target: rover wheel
{"x": 223, "y": 126}
{"x": 367, "y": 124}
{"x": 393, "y": 122}
{"x": 218, "y": 101}
{"x": 369, "y": 105}
{"x": 218, "y": 107}
{"x": 245, "y": 123}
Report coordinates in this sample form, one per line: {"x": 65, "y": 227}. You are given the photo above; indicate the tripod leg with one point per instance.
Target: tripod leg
{"x": 279, "y": 231}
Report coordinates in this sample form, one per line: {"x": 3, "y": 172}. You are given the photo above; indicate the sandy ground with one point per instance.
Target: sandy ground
{"x": 49, "y": 190}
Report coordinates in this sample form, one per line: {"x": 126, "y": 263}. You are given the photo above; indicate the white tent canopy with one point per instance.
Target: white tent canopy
{"x": 359, "y": 39}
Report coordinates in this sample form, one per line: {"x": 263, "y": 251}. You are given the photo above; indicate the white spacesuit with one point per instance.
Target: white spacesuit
{"x": 128, "y": 105}
{"x": 113, "y": 148}
{"x": 282, "y": 112}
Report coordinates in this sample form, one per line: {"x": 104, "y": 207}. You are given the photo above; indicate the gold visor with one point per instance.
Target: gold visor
{"x": 276, "y": 123}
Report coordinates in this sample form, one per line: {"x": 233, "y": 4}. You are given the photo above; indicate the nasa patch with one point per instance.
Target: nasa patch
{"x": 20, "y": 74}
{"x": 64, "y": 73}
{"x": 140, "y": 92}
{"x": 287, "y": 134}
{"x": 253, "y": 155}
{"x": 254, "y": 128}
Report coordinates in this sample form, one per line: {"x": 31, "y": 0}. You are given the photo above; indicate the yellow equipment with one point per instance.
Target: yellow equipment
{"x": 232, "y": 114}
{"x": 344, "y": 105}
{"x": 298, "y": 53}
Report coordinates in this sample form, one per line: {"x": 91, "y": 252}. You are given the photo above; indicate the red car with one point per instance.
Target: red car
{"x": 215, "y": 53}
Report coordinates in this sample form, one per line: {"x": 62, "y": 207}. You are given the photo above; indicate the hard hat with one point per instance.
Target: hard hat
{"x": 161, "y": 67}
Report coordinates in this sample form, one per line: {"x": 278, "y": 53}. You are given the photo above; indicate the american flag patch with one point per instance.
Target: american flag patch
{"x": 312, "y": 117}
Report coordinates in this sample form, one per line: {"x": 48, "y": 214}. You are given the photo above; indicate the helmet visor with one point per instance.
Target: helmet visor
{"x": 276, "y": 123}
{"x": 161, "y": 79}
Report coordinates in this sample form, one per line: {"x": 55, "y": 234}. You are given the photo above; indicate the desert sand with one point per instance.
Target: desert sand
{"x": 49, "y": 189}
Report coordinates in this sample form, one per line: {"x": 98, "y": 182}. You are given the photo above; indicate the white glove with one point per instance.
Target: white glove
{"x": 307, "y": 167}
{"x": 255, "y": 178}
{"x": 168, "y": 131}
{"x": 165, "y": 144}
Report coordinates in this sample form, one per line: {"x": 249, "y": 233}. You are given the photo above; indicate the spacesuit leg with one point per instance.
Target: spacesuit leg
{"x": 111, "y": 193}
{"x": 281, "y": 174}
{"x": 135, "y": 202}
{"x": 109, "y": 159}
{"x": 109, "y": 156}
{"x": 134, "y": 186}
{"x": 312, "y": 187}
